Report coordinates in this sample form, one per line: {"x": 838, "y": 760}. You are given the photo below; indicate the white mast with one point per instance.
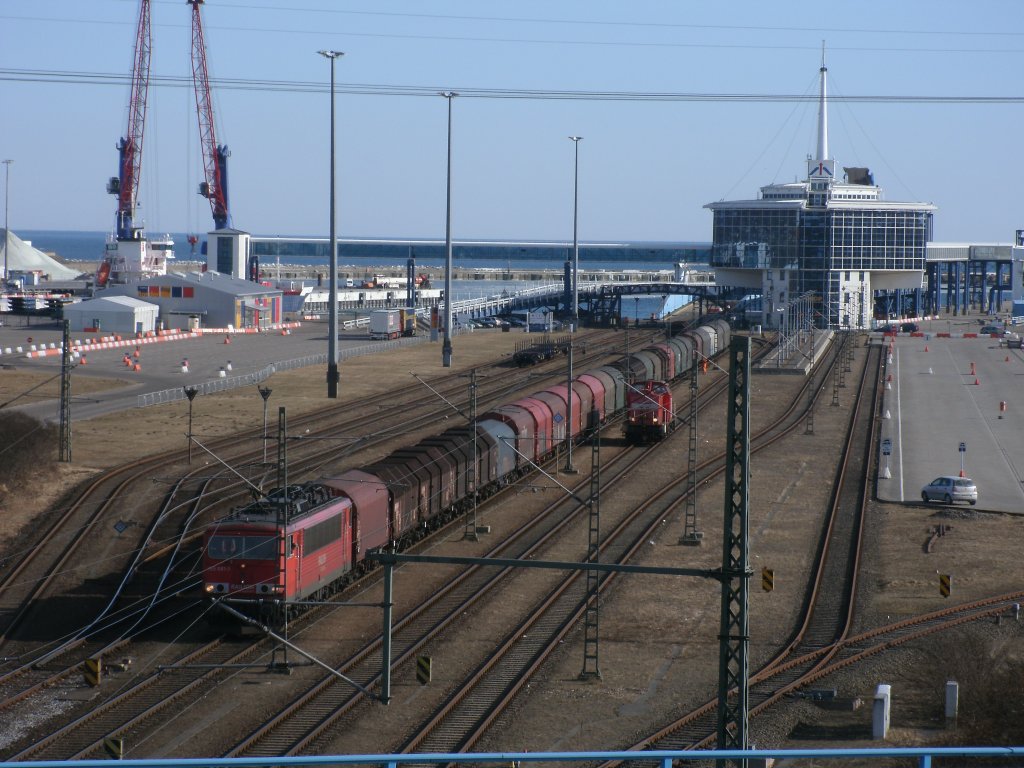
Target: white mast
{"x": 822, "y": 113}
{"x": 821, "y": 168}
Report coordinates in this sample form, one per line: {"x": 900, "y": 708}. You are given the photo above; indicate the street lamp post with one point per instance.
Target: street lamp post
{"x": 636, "y": 311}
{"x": 332, "y": 314}
{"x": 265, "y": 394}
{"x": 190, "y": 393}
{"x": 7, "y": 229}
{"x": 446, "y": 345}
{"x": 575, "y": 234}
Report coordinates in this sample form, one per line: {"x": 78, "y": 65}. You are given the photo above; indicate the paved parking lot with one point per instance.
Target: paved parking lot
{"x": 948, "y": 391}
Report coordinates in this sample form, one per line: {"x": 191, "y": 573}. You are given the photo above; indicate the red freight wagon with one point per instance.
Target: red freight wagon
{"x": 598, "y": 395}
{"x": 524, "y": 427}
{"x": 372, "y": 518}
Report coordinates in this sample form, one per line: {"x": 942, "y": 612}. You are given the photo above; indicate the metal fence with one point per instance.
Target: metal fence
{"x": 225, "y": 383}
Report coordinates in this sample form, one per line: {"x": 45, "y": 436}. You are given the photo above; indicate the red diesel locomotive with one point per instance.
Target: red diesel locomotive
{"x": 649, "y": 412}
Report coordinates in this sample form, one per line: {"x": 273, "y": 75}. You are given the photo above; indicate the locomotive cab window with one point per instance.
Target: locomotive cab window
{"x": 243, "y": 547}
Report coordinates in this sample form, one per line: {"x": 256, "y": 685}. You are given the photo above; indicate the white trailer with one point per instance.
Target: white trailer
{"x": 385, "y": 324}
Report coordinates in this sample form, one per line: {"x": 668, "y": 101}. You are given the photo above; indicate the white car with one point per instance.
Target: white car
{"x": 949, "y": 489}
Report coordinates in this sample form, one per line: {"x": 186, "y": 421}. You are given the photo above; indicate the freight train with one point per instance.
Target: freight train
{"x": 305, "y": 542}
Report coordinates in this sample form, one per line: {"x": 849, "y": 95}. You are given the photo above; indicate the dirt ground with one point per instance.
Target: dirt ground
{"x": 659, "y": 649}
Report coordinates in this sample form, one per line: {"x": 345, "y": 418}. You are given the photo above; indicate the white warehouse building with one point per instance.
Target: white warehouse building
{"x": 114, "y": 314}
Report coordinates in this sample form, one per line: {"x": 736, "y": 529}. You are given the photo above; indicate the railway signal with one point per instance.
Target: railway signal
{"x": 945, "y": 584}
{"x": 767, "y": 579}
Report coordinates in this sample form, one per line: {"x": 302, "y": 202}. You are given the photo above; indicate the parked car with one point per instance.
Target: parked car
{"x": 990, "y": 329}
{"x": 889, "y": 328}
{"x": 910, "y": 327}
{"x": 949, "y": 488}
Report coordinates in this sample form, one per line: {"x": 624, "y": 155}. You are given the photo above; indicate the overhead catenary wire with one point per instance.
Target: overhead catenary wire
{"x": 378, "y": 89}
{"x": 277, "y": 30}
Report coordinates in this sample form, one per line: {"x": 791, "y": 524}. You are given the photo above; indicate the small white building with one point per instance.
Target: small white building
{"x": 116, "y": 314}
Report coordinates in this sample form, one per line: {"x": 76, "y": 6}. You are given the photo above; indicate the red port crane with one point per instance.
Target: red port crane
{"x": 215, "y": 157}
{"x": 126, "y": 184}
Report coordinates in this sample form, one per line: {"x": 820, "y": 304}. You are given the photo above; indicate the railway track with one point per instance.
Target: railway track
{"x": 118, "y": 497}
{"x": 312, "y": 717}
{"x": 827, "y": 611}
{"x": 301, "y": 723}
{"x": 31, "y": 670}
{"x": 134, "y": 705}
{"x": 479, "y": 700}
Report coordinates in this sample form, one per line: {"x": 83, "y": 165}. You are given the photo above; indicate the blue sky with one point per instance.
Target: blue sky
{"x": 647, "y": 165}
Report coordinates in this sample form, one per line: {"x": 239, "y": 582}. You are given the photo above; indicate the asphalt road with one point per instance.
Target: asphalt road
{"x": 160, "y": 364}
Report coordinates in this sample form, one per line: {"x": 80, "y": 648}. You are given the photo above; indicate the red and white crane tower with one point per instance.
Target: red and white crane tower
{"x": 129, "y": 256}
{"x": 215, "y": 157}
{"x": 126, "y": 184}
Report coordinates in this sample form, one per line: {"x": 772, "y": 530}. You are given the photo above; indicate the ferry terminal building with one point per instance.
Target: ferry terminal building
{"x": 833, "y": 250}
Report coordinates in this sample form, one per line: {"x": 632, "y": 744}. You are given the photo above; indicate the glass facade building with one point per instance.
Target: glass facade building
{"x": 814, "y": 247}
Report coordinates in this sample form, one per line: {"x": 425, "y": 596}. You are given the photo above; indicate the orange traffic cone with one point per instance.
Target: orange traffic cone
{"x": 976, "y": 382}
{"x": 227, "y": 339}
{"x": 137, "y": 368}
{"x": 83, "y": 361}
{"x": 925, "y": 347}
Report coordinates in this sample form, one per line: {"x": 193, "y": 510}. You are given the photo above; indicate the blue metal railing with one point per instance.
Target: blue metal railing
{"x": 664, "y": 759}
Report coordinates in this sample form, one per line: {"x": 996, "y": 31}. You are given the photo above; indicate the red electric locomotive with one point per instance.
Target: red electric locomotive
{"x": 294, "y": 545}
{"x": 648, "y": 412}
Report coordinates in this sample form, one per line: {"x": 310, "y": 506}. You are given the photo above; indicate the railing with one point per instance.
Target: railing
{"x": 663, "y": 759}
{"x": 256, "y": 377}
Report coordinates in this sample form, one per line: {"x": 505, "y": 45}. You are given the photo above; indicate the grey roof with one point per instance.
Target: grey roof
{"x": 119, "y": 301}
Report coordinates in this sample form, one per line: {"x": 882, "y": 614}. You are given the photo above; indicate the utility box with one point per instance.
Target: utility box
{"x": 385, "y": 324}
{"x": 952, "y": 699}
{"x": 880, "y": 715}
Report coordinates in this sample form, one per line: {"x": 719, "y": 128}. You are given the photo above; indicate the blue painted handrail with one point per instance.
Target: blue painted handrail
{"x": 923, "y": 755}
